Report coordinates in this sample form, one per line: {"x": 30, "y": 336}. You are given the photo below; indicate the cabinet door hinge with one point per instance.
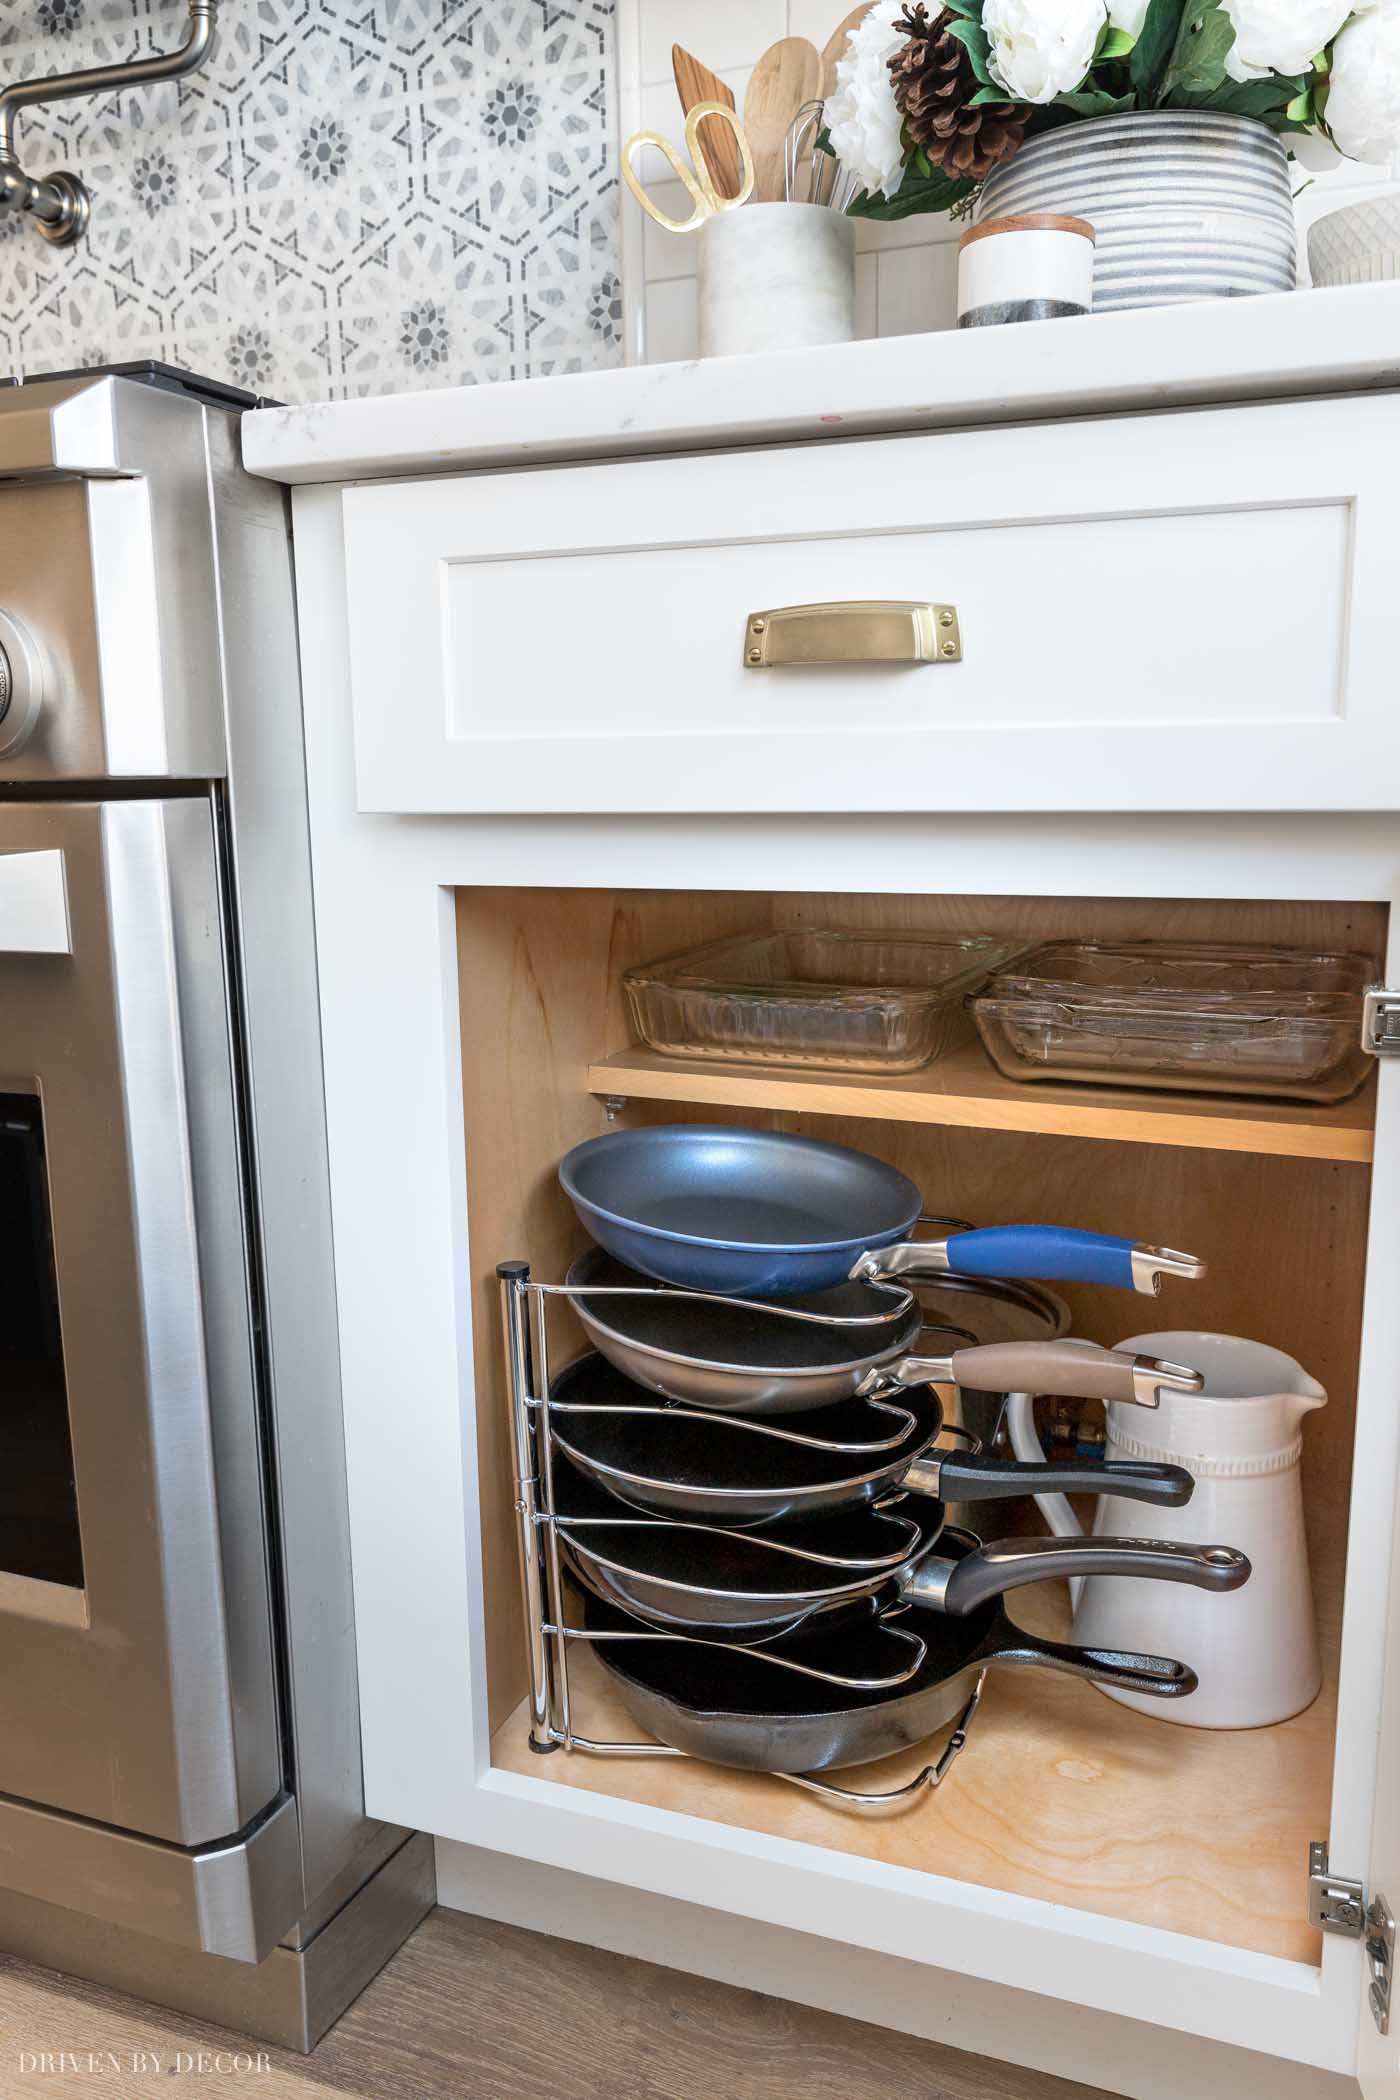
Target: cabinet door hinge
{"x": 1380, "y": 1022}
{"x": 1339, "y": 1906}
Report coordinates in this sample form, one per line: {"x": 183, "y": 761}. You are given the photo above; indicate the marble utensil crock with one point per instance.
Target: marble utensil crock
{"x": 775, "y": 277}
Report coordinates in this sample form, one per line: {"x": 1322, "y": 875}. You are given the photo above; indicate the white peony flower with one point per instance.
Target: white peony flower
{"x": 1041, "y": 48}
{"x": 1128, "y": 15}
{"x": 1313, "y": 150}
{"x": 1363, "y": 96}
{"x": 861, "y": 115}
{"x": 1280, "y": 36}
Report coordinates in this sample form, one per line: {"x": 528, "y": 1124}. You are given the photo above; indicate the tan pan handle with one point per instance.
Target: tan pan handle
{"x": 854, "y": 631}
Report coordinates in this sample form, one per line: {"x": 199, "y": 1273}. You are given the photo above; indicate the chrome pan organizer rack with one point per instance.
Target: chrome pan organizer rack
{"x": 548, "y": 1633}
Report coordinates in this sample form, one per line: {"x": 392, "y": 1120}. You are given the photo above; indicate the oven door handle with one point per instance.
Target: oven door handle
{"x": 34, "y": 904}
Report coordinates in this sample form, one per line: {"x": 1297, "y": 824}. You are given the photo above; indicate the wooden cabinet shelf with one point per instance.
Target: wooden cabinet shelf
{"x": 1061, "y": 1794}
{"x": 966, "y": 1090}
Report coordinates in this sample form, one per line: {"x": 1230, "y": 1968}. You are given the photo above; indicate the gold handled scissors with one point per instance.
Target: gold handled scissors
{"x": 699, "y": 178}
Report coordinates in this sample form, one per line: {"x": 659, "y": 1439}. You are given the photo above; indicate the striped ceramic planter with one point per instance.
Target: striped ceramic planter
{"x": 1185, "y": 204}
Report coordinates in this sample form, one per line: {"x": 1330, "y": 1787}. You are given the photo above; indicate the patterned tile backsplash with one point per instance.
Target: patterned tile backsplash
{"x": 355, "y": 196}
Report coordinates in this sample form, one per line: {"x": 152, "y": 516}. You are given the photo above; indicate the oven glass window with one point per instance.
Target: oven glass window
{"x": 38, "y": 1501}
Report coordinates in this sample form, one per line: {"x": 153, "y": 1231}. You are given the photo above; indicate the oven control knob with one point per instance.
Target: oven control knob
{"x": 21, "y": 683}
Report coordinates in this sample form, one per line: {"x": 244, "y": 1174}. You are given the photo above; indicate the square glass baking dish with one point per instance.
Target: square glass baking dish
{"x": 843, "y": 1002}
{"x": 1216, "y": 1018}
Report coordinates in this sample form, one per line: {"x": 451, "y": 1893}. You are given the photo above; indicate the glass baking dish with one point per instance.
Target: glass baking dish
{"x": 1210, "y": 1018}
{"x": 844, "y": 1002}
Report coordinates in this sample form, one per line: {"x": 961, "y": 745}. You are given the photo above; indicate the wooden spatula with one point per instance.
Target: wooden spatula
{"x": 835, "y": 47}
{"x": 788, "y": 74}
{"x": 696, "y": 83}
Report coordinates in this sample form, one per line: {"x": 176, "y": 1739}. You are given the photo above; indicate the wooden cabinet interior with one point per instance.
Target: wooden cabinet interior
{"x": 1064, "y": 1794}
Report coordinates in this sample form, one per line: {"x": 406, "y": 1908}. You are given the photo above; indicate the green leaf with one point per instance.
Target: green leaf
{"x": 985, "y": 95}
{"x": 1251, "y": 98}
{"x": 1300, "y": 110}
{"x": 970, "y": 10}
{"x": 1095, "y": 102}
{"x": 1114, "y": 43}
{"x": 1151, "y": 54}
{"x": 916, "y": 193}
{"x": 973, "y": 37}
{"x": 1197, "y": 64}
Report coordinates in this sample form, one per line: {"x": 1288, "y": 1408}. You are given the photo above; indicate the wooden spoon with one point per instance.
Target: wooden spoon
{"x": 788, "y": 74}
{"x": 835, "y": 47}
{"x": 696, "y": 83}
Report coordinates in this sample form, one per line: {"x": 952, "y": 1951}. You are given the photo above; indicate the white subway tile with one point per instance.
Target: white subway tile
{"x": 670, "y": 321}
{"x": 721, "y": 33}
{"x": 917, "y": 289}
{"x": 817, "y": 19}
{"x": 876, "y": 235}
{"x": 666, "y": 255}
{"x": 867, "y": 281}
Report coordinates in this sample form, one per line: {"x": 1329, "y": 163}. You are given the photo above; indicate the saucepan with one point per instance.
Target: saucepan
{"x": 750, "y": 1586}
{"x": 735, "y": 1708}
{"x": 682, "y": 1461}
{"x": 743, "y": 1212}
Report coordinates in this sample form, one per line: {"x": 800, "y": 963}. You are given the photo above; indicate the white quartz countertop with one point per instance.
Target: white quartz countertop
{"x": 1337, "y": 341}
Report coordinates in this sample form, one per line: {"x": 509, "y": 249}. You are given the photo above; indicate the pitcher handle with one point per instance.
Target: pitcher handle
{"x": 1057, "y": 1510}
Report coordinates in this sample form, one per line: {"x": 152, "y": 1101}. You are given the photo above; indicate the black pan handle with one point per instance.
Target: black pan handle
{"x": 988, "y": 1479}
{"x": 1155, "y": 1676}
{"x": 959, "y": 1586}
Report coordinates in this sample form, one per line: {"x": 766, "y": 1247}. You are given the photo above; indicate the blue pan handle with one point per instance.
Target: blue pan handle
{"x": 1050, "y": 1253}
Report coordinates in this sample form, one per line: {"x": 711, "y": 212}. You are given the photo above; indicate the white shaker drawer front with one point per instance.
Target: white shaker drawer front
{"x": 1157, "y": 612}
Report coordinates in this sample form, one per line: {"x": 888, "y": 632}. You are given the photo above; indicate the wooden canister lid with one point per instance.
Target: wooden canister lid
{"x": 1027, "y": 222}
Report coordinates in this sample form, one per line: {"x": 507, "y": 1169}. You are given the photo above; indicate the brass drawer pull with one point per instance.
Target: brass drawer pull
{"x": 856, "y": 631}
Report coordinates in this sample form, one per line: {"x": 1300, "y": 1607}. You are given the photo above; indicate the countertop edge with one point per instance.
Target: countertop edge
{"x": 1280, "y": 346}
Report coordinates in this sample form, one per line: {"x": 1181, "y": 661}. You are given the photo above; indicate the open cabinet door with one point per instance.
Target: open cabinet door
{"x": 1377, "y": 2052}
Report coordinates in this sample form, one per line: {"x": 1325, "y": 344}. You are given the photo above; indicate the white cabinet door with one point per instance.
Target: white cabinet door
{"x": 1378, "y": 2055}
{"x": 1192, "y": 610}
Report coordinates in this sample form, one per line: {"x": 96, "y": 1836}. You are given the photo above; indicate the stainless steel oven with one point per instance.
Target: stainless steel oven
{"x": 178, "y": 1726}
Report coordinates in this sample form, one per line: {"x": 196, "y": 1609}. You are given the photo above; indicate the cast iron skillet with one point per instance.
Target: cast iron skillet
{"x": 750, "y": 1586}
{"x": 734, "y": 1709}
{"x": 676, "y": 1461}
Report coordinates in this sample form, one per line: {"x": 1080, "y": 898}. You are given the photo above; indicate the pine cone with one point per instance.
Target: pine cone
{"x": 933, "y": 88}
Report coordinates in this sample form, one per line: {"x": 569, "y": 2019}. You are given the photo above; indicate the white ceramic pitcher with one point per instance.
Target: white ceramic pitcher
{"x": 1255, "y": 1651}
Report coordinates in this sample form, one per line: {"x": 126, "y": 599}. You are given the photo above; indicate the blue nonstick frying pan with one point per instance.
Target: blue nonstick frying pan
{"x": 746, "y": 1212}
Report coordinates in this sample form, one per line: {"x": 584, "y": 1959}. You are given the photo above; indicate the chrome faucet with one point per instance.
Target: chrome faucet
{"x": 59, "y": 203}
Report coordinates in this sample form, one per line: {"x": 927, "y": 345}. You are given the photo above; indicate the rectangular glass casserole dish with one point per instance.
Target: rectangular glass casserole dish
{"x": 845, "y": 1002}
{"x": 1215, "y": 1018}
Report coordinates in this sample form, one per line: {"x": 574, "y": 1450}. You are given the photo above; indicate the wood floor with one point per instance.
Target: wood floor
{"x": 471, "y": 2010}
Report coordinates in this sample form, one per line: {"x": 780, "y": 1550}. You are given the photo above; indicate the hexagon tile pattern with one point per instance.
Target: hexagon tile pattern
{"x": 354, "y": 197}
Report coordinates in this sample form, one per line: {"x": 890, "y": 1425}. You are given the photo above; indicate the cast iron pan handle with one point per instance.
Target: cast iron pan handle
{"x": 1155, "y": 1676}
{"x": 992, "y": 1479}
{"x": 959, "y": 1586}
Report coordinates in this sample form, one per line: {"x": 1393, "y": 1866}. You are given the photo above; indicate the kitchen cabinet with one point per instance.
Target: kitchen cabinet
{"x": 477, "y": 906}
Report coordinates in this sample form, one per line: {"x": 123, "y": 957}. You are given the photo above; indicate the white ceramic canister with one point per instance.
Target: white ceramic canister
{"x": 1032, "y": 267}
{"x": 775, "y": 277}
{"x": 1255, "y": 1650}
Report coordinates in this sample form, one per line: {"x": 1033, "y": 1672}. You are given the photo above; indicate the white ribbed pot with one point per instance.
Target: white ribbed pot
{"x": 1185, "y": 204}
